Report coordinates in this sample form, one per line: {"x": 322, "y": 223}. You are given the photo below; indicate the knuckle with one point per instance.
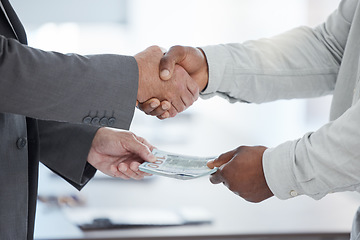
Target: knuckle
{"x": 231, "y": 187}
{"x": 175, "y": 48}
{"x": 214, "y": 179}
{"x": 181, "y": 108}
{"x": 178, "y": 49}
{"x": 241, "y": 147}
{"x": 154, "y": 47}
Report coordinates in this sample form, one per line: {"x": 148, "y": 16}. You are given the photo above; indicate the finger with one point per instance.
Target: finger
{"x": 145, "y": 142}
{"x": 134, "y": 166}
{"x": 140, "y": 147}
{"x": 164, "y": 115}
{"x": 149, "y": 105}
{"x": 188, "y": 99}
{"x": 153, "y": 107}
{"x": 193, "y": 87}
{"x": 172, "y": 111}
{"x": 175, "y": 55}
{"x": 216, "y": 178}
{"x": 116, "y": 173}
{"x": 222, "y": 159}
{"x": 144, "y": 173}
{"x": 179, "y": 105}
{"x": 126, "y": 170}
{"x": 164, "y": 106}
{"x": 183, "y": 97}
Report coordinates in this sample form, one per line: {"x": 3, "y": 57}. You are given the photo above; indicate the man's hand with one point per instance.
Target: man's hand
{"x": 156, "y": 108}
{"x": 120, "y": 153}
{"x": 241, "y": 171}
{"x": 180, "y": 91}
{"x": 193, "y": 60}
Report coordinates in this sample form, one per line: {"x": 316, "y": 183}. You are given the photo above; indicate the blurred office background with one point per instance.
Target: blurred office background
{"x": 208, "y": 128}
{"x": 127, "y": 27}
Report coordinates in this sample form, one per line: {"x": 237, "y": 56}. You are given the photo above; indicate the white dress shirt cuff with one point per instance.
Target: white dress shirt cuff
{"x": 278, "y": 170}
{"x": 217, "y": 69}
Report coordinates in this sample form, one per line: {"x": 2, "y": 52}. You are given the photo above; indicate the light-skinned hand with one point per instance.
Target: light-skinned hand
{"x": 193, "y": 60}
{"x": 120, "y": 153}
{"x": 180, "y": 90}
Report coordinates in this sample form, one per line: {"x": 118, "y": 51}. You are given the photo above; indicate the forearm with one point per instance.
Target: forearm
{"x": 292, "y": 65}
{"x": 300, "y": 63}
{"x": 64, "y": 148}
{"x": 54, "y": 86}
{"x": 320, "y": 162}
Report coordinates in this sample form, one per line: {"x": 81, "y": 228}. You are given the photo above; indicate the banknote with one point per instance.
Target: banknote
{"x": 177, "y": 166}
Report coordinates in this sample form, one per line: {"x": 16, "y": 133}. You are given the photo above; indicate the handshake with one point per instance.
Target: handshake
{"x": 170, "y": 82}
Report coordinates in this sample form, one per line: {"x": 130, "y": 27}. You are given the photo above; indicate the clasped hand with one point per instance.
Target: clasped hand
{"x": 170, "y": 82}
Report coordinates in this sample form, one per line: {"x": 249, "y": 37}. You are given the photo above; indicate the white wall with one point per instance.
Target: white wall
{"x": 198, "y": 23}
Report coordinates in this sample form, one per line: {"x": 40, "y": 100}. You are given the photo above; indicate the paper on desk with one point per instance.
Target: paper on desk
{"x": 177, "y": 166}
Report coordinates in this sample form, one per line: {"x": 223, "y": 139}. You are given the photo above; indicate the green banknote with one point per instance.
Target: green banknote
{"x": 177, "y": 166}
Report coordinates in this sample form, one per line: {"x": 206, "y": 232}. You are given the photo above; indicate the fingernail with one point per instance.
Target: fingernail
{"x": 122, "y": 168}
{"x": 154, "y": 104}
{"x": 165, "y": 106}
{"x": 152, "y": 157}
{"x": 165, "y": 115}
{"x": 165, "y": 73}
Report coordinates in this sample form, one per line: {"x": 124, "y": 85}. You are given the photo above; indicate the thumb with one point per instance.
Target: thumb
{"x": 143, "y": 151}
{"x": 175, "y": 55}
{"x": 222, "y": 159}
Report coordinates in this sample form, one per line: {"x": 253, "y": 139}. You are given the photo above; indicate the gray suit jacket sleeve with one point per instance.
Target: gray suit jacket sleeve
{"x": 54, "y": 86}
{"x": 64, "y": 149}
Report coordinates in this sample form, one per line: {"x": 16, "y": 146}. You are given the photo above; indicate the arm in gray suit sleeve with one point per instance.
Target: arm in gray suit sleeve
{"x": 64, "y": 149}
{"x": 54, "y": 86}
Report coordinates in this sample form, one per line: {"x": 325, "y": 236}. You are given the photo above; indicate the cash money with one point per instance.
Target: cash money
{"x": 177, "y": 166}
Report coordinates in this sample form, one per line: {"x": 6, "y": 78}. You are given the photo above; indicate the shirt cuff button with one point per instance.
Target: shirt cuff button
{"x": 293, "y": 193}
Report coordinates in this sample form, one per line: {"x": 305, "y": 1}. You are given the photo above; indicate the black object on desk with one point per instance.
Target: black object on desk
{"x": 97, "y": 219}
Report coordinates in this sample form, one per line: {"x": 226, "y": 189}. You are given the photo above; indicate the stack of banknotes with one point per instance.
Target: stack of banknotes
{"x": 177, "y": 166}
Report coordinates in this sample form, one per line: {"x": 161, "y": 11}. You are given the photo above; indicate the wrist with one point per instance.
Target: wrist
{"x": 140, "y": 83}
{"x": 202, "y": 81}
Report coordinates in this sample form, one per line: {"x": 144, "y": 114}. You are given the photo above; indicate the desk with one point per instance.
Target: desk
{"x": 233, "y": 218}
